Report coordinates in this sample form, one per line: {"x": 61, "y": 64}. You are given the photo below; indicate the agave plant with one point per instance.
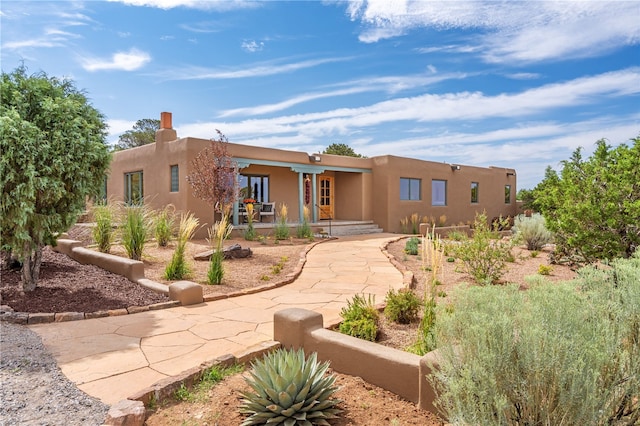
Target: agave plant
{"x": 289, "y": 390}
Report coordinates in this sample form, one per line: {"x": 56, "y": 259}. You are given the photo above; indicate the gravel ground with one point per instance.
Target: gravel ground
{"x": 33, "y": 390}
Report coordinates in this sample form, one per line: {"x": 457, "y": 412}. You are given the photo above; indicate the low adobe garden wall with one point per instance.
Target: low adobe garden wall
{"x": 186, "y": 292}
{"x": 400, "y": 372}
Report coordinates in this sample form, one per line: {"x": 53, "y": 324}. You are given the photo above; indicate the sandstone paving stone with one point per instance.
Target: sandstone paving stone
{"x": 118, "y": 387}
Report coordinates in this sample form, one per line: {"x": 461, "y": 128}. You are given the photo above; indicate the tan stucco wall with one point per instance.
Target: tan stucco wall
{"x": 359, "y": 194}
{"x": 389, "y": 209}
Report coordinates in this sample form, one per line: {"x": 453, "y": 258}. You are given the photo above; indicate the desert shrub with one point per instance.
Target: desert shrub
{"x": 411, "y": 246}
{"x": 415, "y": 223}
{"x": 500, "y": 364}
{"x": 135, "y": 228}
{"x": 303, "y": 230}
{"x": 219, "y": 232}
{"x": 457, "y": 236}
{"x": 402, "y": 306}
{"x": 177, "y": 268}
{"x": 281, "y": 229}
{"x": 163, "y": 225}
{"x": 289, "y": 389}
{"x": 532, "y": 231}
{"x": 250, "y": 231}
{"x": 545, "y": 269}
{"x": 360, "y": 318}
{"x": 404, "y": 225}
{"x": 484, "y": 256}
{"x": 102, "y": 232}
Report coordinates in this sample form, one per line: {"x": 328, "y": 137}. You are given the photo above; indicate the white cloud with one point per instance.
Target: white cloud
{"x": 516, "y": 31}
{"x": 220, "y": 5}
{"x": 263, "y": 69}
{"x": 391, "y": 84}
{"x": 252, "y": 46}
{"x": 125, "y": 61}
{"x": 454, "y": 110}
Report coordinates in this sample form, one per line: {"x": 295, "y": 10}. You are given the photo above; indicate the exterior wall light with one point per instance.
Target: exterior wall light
{"x": 315, "y": 158}
{"x": 510, "y": 174}
{"x": 455, "y": 167}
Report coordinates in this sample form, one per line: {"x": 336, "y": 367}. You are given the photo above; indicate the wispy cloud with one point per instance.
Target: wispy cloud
{"x": 220, "y": 5}
{"x": 522, "y": 31}
{"x": 444, "y": 108}
{"x": 124, "y": 61}
{"x": 258, "y": 70}
{"x": 390, "y": 84}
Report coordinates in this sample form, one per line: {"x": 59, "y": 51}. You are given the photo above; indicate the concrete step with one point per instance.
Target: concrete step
{"x": 341, "y": 229}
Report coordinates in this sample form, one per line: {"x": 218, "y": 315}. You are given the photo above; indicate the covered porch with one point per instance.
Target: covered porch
{"x": 324, "y": 194}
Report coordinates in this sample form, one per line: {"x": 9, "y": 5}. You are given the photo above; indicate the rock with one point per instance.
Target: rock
{"x": 234, "y": 251}
{"x": 126, "y": 413}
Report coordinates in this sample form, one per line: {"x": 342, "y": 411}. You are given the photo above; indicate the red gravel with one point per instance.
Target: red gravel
{"x": 68, "y": 286}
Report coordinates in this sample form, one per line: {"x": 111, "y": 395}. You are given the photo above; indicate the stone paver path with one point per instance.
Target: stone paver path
{"x": 114, "y": 357}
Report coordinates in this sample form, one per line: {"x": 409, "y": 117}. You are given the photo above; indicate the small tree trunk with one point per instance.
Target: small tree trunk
{"x": 31, "y": 267}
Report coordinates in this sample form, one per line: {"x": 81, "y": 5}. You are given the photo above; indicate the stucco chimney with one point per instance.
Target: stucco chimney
{"x": 166, "y": 133}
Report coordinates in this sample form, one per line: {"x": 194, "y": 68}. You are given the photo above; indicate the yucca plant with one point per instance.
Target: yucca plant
{"x": 177, "y": 268}
{"x": 289, "y": 389}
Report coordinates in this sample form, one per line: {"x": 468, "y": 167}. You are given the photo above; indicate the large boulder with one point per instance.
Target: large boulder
{"x": 234, "y": 251}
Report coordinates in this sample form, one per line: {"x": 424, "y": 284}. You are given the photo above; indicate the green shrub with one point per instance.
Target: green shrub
{"x": 532, "y": 231}
{"x": 545, "y": 269}
{"x": 163, "y": 226}
{"x": 360, "y": 318}
{"x": 177, "y": 268}
{"x": 102, "y": 232}
{"x": 484, "y": 256}
{"x": 402, "y": 306}
{"x": 556, "y": 354}
{"x": 288, "y": 389}
{"x": 457, "y": 236}
{"x": 412, "y": 245}
{"x": 135, "y": 230}
{"x": 304, "y": 229}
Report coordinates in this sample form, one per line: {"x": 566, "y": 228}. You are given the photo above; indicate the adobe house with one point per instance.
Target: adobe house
{"x": 382, "y": 189}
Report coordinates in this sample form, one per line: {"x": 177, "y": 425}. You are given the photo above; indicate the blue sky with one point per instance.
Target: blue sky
{"x": 513, "y": 84}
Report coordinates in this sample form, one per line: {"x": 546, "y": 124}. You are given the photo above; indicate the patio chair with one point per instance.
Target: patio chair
{"x": 268, "y": 210}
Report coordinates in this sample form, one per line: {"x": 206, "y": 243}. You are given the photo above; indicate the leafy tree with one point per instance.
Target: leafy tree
{"x": 593, "y": 205}
{"x": 143, "y": 132}
{"x": 213, "y": 174}
{"x": 341, "y": 149}
{"x": 54, "y": 156}
{"x": 526, "y": 196}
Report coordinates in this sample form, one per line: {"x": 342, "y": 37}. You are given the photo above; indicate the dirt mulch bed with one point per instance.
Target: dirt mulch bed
{"x": 67, "y": 286}
{"x": 362, "y": 404}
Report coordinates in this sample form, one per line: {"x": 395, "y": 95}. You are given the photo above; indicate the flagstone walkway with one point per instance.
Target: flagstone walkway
{"x": 115, "y": 357}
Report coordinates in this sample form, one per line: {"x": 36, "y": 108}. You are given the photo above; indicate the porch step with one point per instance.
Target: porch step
{"x": 342, "y": 228}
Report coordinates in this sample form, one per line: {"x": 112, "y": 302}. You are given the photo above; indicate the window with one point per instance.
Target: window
{"x": 507, "y": 194}
{"x": 175, "y": 181}
{"x": 133, "y": 188}
{"x": 410, "y": 189}
{"x": 254, "y": 186}
{"x": 102, "y": 197}
{"x": 438, "y": 192}
{"x": 474, "y": 192}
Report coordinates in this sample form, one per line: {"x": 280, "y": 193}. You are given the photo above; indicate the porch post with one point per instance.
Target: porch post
{"x": 314, "y": 198}
{"x": 300, "y": 197}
